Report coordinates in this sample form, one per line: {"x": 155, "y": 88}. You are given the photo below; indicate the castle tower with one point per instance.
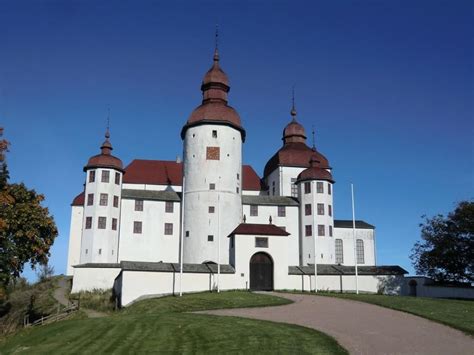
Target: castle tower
{"x": 315, "y": 190}
{"x": 213, "y": 137}
{"x": 103, "y": 190}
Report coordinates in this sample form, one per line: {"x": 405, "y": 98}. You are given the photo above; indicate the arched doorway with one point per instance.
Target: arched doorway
{"x": 412, "y": 285}
{"x": 261, "y": 272}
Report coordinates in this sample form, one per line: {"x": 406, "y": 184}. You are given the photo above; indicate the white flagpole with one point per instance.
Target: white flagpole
{"x": 181, "y": 252}
{"x": 354, "y": 240}
{"x": 218, "y": 243}
{"x": 313, "y": 190}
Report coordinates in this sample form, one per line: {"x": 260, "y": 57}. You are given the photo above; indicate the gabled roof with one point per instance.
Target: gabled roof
{"x": 259, "y": 229}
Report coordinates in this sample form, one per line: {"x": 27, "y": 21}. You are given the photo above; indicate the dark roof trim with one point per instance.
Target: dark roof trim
{"x": 174, "y": 267}
{"x": 103, "y": 166}
{"x": 97, "y": 265}
{"x": 151, "y": 195}
{"x": 347, "y": 223}
{"x": 269, "y": 200}
{"x": 347, "y": 270}
{"x": 214, "y": 122}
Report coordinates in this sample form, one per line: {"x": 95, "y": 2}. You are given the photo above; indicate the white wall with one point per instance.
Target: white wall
{"x": 282, "y": 176}
{"x": 152, "y": 244}
{"x": 89, "y": 279}
{"x": 151, "y": 187}
{"x": 368, "y": 237}
{"x": 75, "y": 232}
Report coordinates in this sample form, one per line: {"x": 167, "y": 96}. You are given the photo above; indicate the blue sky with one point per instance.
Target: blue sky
{"x": 388, "y": 86}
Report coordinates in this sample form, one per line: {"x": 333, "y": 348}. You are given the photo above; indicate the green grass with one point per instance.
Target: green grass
{"x": 162, "y": 325}
{"x": 98, "y": 300}
{"x": 458, "y": 314}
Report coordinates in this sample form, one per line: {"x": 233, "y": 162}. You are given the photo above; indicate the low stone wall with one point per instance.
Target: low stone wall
{"x": 94, "y": 278}
{"x": 418, "y": 286}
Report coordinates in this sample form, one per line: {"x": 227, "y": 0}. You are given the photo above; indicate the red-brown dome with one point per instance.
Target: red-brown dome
{"x": 105, "y": 159}
{"x": 294, "y": 132}
{"x": 215, "y": 75}
{"x": 215, "y": 111}
{"x": 315, "y": 173}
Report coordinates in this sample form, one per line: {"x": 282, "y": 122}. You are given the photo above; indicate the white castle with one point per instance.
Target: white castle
{"x": 131, "y": 227}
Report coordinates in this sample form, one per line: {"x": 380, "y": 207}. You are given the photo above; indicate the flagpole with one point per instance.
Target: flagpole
{"x": 354, "y": 240}
{"x": 218, "y": 243}
{"x": 181, "y": 252}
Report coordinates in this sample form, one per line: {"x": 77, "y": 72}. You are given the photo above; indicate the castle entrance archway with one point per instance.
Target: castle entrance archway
{"x": 261, "y": 272}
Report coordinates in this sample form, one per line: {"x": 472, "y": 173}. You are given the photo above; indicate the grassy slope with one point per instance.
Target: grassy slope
{"x": 159, "y": 325}
{"x": 458, "y": 314}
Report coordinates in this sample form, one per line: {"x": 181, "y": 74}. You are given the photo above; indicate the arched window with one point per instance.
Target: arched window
{"x": 339, "y": 252}
{"x": 360, "y": 251}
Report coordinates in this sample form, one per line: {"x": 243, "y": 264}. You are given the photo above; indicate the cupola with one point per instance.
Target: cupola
{"x": 105, "y": 159}
{"x": 315, "y": 172}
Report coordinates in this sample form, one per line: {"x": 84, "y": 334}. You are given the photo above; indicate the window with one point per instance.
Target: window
{"x": 281, "y": 211}
{"x": 253, "y": 210}
{"x": 88, "y": 222}
{"x": 339, "y": 252}
{"x": 232, "y": 242}
{"x": 319, "y": 187}
{"x": 117, "y": 178}
{"x": 92, "y": 176}
{"x": 321, "y": 230}
{"x": 187, "y": 234}
{"x": 105, "y": 176}
{"x": 102, "y": 222}
{"x": 213, "y": 153}
{"x": 90, "y": 199}
{"x": 238, "y": 176}
{"x": 307, "y": 187}
{"x": 294, "y": 188}
{"x": 103, "y": 199}
{"x": 329, "y": 188}
{"x": 214, "y": 134}
{"x": 210, "y": 238}
{"x": 330, "y": 231}
{"x": 212, "y": 209}
{"x": 360, "y": 251}
{"x": 330, "y": 210}
{"x": 273, "y": 188}
{"x": 138, "y": 205}
{"x": 212, "y": 186}
{"x": 114, "y": 224}
{"x": 307, "y": 209}
{"x": 168, "y": 228}
{"x": 100, "y": 251}
{"x": 169, "y": 207}
{"x": 137, "y": 227}
{"x": 308, "y": 230}
{"x": 237, "y": 189}
{"x": 116, "y": 201}
{"x": 321, "y": 209}
{"x": 261, "y": 242}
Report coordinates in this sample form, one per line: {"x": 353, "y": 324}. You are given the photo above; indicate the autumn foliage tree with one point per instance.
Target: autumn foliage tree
{"x": 446, "y": 249}
{"x": 27, "y": 230}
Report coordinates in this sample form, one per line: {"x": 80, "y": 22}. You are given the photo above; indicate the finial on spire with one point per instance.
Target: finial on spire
{"x": 107, "y": 131}
{"x": 293, "y": 109}
{"x": 216, "y": 49}
{"x": 312, "y": 132}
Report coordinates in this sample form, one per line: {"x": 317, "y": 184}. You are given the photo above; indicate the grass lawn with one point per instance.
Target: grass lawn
{"x": 458, "y": 314}
{"x": 160, "y": 325}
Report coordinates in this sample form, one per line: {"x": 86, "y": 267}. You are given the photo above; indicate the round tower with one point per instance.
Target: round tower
{"x": 103, "y": 192}
{"x": 213, "y": 137}
{"x": 315, "y": 190}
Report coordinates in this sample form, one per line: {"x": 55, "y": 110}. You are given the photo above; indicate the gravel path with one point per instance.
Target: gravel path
{"x": 363, "y": 328}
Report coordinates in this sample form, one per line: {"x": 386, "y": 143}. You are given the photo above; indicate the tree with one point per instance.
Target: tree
{"x": 27, "y": 230}
{"x": 446, "y": 251}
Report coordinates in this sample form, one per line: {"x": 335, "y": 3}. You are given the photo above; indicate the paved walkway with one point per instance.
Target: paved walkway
{"x": 363, "y": 328}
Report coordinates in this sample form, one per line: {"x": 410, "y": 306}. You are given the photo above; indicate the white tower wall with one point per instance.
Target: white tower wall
{"x": 75, "y": 232}
{"x": 226, "y": 175}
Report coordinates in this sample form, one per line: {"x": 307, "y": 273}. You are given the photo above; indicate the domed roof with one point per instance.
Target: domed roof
{"x": 214, "y": 107}
{"x": 315, "y": 172}
{"x": 105, "y": 159}
{"x": 294, "y": 132}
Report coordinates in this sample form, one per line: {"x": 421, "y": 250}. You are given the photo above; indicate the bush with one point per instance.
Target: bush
{"x": 98, "y": 300}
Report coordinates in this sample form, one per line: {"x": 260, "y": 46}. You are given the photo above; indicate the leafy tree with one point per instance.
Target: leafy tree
{"x": 446, "y": 251}
{"x": 27, "y": 230}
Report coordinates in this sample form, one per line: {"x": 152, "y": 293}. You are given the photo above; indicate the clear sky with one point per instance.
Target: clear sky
{"x": 388, "y": 86}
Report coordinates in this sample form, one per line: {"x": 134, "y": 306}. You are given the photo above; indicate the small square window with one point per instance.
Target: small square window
{"x": 281, "y": 211}
{"x": 88, "y": 222}
{"x": 237, "y": 190}
{"x": 307, "y": 187}
{"x": 87, "y": 251}
{"x": 102, "y": 222}
{"x": 92, "y": 176}
{"x": 321, "y": 209}
{"x": 138, "y": 205}
{"x": 329, "y": 188}
{"x": 320, "y": 187}
{"x": 253, "y": 210}
{"x": 212, "y": 186}
{"x": 137, "y": 227}
{"x": 187, "y": 233}
{"x": 214, "y": 134}
{"x": 168, "y": 228}
{"x": 212, "y": 209}
{"x": 210, "y": 238}
{"x": 321, "y": 230}
{"x": 116, "y": 201}
{"x": 307, "y": 209}
{"x": 100, "y": 251}
{"x": 261, "y": 242}
{"x": 114, "y": 224}
{"x": 330, "y": 210}
{"x": 103, "y": 199}
{"x": 308, "y": 230}
{"x": 169, "y": 207}
{"x": 90, "y": 199}
{"x": 105, "y": 176}
{"x": 117, "y": 178}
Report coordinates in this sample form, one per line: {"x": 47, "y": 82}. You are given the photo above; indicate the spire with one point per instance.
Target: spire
{"x": 216, "y": 48}
{"x": 106, "y": 147}
{"x": 293, "y": 109}
{"x": 312, "y": 132}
